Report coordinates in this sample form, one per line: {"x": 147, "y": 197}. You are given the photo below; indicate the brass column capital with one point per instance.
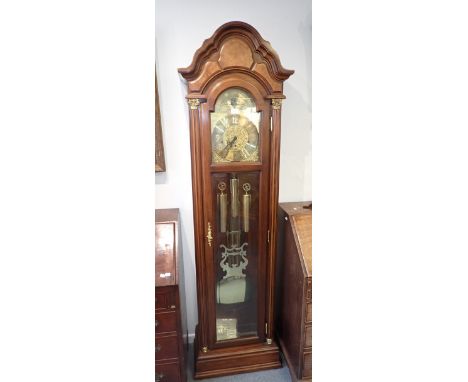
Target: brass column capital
{"x": 194, "y": 103}
{"x": 276, "y": 103}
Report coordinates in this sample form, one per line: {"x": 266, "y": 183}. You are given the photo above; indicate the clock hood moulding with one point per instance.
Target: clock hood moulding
{"x": 225, "y": 51}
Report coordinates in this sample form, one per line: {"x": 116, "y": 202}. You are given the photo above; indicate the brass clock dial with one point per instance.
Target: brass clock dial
{"x": 235, "y": 122}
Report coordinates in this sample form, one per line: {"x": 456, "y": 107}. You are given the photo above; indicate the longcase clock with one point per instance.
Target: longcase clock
{"x": 235, "y": 89}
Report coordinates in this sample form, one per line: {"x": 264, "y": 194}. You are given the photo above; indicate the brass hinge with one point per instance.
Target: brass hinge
{"x": 266, "y": 328}
{"x": 268, "y": 236}
{"x": 271, "y": 123}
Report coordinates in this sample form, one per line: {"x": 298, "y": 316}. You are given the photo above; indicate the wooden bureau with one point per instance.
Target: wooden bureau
{"x": 170, "y": 315}
{"x": 294, "y": 288}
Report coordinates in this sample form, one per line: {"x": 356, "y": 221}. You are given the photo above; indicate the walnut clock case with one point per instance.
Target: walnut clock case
{"x": 235, "y": 89}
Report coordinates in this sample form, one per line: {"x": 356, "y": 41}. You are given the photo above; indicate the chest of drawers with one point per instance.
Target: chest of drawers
{"x": 294, "y": 288}
{"x": 170, "y": 315}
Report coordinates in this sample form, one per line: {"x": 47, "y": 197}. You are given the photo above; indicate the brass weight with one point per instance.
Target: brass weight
{"x": 246, "y": 199}
{"x": 222, "y": 207}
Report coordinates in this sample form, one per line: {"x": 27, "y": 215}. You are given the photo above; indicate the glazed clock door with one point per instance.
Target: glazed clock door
{"x": 236, "y": 167}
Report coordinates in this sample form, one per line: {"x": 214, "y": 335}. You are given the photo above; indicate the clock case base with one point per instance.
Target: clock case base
{"x": 235, "y": 359}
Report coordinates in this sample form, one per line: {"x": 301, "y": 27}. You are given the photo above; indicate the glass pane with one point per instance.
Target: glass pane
{"x": 234, "y": 128}
{"x": 236, "y": 257}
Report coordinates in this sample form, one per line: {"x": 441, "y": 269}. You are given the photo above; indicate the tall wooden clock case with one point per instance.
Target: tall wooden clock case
{"x": 235, "y": 89}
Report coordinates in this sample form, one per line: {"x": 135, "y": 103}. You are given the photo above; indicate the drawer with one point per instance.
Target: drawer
{"x": 308, "y": 312}
{"x": 169, "y": 372}
{"x": 307, "y": 365}
{"x": 166, "y": 322}
{"x": 166, "y": 347}
{"x": 165, "y": 299}
{"x": 308, "y": 336}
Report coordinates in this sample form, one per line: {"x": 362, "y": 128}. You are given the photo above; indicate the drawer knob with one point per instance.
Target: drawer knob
{"x": 172, "y": 306}
{"x": 159, "y": 377}
{"x": 158, "y": 347}
{"x": 156, "y": 323}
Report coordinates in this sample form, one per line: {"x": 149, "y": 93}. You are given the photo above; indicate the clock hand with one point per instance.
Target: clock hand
{"x": 229, "y": 145}
{"x": 224, "y": 152}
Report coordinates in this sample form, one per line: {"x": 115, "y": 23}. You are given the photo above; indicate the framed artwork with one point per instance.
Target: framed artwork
{"x": 160, "y": 164}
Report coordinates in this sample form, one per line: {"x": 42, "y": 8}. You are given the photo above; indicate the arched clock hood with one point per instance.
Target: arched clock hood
{"x": 238, "y": 47}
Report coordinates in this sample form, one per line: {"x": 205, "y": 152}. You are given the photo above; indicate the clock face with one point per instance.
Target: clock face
{"x": 234, "y": 128}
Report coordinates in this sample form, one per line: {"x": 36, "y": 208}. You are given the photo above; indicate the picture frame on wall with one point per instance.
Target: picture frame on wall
{"x": 160, "y": 164}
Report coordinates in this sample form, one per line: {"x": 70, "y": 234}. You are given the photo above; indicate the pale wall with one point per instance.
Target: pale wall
{"x": 181, "y": 28}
